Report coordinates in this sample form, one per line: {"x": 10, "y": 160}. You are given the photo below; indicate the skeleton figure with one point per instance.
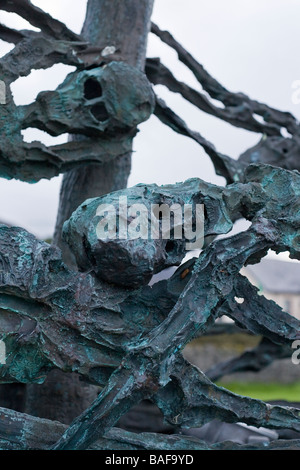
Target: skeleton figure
{"x": 104, "y": 104}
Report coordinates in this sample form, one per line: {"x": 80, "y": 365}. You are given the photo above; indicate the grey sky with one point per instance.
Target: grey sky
{"x": 248, "y": 45}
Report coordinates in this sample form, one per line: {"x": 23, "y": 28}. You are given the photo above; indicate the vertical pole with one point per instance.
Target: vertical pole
{"x": 124, "y": 24}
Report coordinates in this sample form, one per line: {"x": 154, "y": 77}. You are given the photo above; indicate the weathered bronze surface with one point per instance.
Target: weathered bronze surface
{"x": 104, "y": 321}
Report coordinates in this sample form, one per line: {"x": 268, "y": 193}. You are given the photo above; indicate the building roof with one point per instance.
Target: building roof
{"x": 276, "y": 276}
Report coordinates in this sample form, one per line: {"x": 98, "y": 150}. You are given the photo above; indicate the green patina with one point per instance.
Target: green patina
{"x": 104, "y": 321}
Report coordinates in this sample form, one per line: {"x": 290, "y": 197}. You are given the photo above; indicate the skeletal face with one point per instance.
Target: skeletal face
{"x": 103, "y": 100}
{"x": 129, "y": 261}
{"x": 275, "y": 150}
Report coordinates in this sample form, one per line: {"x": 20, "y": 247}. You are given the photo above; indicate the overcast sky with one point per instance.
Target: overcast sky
{"x": 248, "y": 45}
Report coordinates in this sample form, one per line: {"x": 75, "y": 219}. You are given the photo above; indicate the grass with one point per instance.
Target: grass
{"x": 237, "y": 342}
{"x": 266, "y": 392}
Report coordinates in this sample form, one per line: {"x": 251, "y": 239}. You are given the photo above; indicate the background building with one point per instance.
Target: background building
{"x": 279, "y": 281}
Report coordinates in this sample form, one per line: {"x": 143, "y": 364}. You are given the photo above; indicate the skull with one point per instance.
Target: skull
{"x": 106, "y": 100}
{"x": 275, "y": 150}
{"x": 128, "y": 236}
{"x": 128, "y": 262}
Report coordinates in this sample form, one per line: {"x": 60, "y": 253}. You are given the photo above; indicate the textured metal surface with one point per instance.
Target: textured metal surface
{"x": 104, "y": 322}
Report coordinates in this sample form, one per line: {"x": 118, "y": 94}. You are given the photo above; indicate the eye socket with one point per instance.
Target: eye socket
{"x": 170, "y": 246}
{"x": 92, "y": 89}
{"x": 99, "y": 111}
